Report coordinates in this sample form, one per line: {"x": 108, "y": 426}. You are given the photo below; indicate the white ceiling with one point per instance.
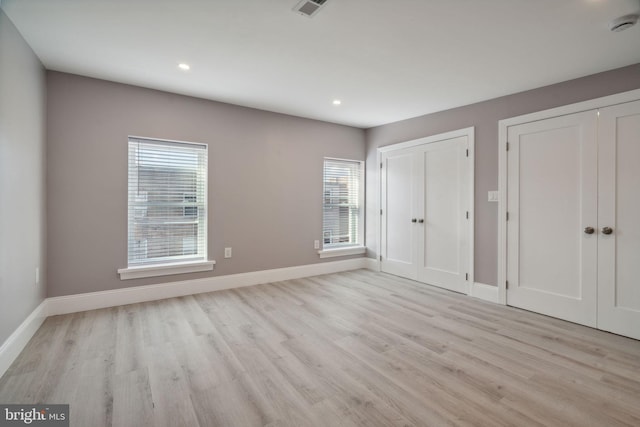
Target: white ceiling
{"x": 387, "y": 60}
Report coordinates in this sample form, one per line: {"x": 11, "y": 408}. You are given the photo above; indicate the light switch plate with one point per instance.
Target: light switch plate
{"x": 493, "y": 196}
{"x": 227, "y": 252}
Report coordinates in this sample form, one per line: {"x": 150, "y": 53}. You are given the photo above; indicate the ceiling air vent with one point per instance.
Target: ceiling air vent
{"x": 624, "y": 22}
{"x": 309, "y": 7}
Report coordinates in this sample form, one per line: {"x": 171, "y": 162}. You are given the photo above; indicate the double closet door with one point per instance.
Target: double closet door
{"x": 573, "y": 229}
{"x": 425, "y": 217}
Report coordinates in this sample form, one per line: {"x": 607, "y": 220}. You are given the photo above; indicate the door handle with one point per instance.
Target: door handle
{"x": 589, "y": 230}
{"x": 414, "y": 220}
{"x": 607, "y": 230}
{"x": 421, "y": 221}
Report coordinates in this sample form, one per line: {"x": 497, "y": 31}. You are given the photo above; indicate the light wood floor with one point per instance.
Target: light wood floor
{"x": 349, "y": 349}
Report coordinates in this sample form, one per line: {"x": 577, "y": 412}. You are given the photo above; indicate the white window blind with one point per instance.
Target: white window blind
{"x": 167, "y": 202}
{"x": 342, "y": 203}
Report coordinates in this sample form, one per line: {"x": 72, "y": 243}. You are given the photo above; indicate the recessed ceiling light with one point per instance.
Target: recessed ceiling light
{"x": 184, "y": 66}
{"x": 337, "y": 102}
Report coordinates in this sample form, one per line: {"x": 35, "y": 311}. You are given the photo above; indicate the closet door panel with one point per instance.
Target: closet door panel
{"x": 443, "y": 193}
{"x": 619, "y": 209}
{"x": 398, "y": 237}
{"x": 552, "y": 198}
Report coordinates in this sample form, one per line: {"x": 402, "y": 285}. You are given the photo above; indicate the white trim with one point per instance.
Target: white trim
{"x": 484, "y": 292}
{"x": 173, "y": 141}
{"x": 334, "y": 252}
{"x": 503, "y": 125}
{"x": 164, "y": 269}
{"x": 428, "y": 139}
{"x": 471, "y": 138}
{"x": 502, "y": 212}
{"x": 117, "y": 297}
{"x": 592, "y": 104}
{"x": 372, "y": 264}
{"x": 17, "y": 341}
{"x": 378, "y": 203}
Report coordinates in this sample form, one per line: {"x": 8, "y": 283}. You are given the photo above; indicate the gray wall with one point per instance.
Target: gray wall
{"x": 22, "y": 199}
{"x": 484, "y": 116}
{"x": 265, "y": 179}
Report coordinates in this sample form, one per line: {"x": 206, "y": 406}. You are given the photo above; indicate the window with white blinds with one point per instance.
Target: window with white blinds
{"x": 342, "y": 203}
{"x": 167, "y": 202}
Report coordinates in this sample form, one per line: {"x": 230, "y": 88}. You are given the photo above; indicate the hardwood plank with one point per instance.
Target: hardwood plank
{"x": 132, "y": 399}
{"x": 170, "y": 396}
{"x": 358, "y": 348}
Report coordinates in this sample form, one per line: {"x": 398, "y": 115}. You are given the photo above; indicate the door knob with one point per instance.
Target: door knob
{"x": 589, "y": 230}
{"x": 607, "y": 230}
{"x": 421, "y": 221}
{"x": 414, "y": 220}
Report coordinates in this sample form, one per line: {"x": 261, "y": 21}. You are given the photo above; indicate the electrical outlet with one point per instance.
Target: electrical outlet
{"x": 316, "y": 244}
{"x": 227, "y": 252}
{"x": 37, "y": 276}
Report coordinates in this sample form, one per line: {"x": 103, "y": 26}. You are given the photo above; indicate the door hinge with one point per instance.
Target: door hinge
{"x": 467, "y": 152}
{"x": 467, "y": 214}
{"x": 380, "y": 257}
{"x": 466, "y": 276}
{"x": 380, "y": 165}
{"x": 507, "y": 283}
{"x": 380, "y": 211}
{"x": 507, "y": 216}
{"x": 507, "y": 146}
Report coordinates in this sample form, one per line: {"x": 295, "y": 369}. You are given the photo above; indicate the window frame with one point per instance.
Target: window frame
{"x": 334, "y": 250}
{"x": 171, "y": 264}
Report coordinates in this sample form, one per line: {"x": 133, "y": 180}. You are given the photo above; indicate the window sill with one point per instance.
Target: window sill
{"x": 351, "y": 250}
{"x": 164, "y": 269}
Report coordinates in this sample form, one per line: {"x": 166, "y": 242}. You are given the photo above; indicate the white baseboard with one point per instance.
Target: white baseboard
{"x": 371, "y": 264}
{"x": 484, "y": 292}
{"x": 16, "y": 342}
{"x": 116, "y": 297}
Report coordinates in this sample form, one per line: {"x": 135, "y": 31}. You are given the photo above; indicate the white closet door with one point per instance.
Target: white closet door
{"x": 619, "y": 209}
{"x": 398, "y": 235}
{"x": 443, "y": 195}
{"x": 551, "y": 200}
